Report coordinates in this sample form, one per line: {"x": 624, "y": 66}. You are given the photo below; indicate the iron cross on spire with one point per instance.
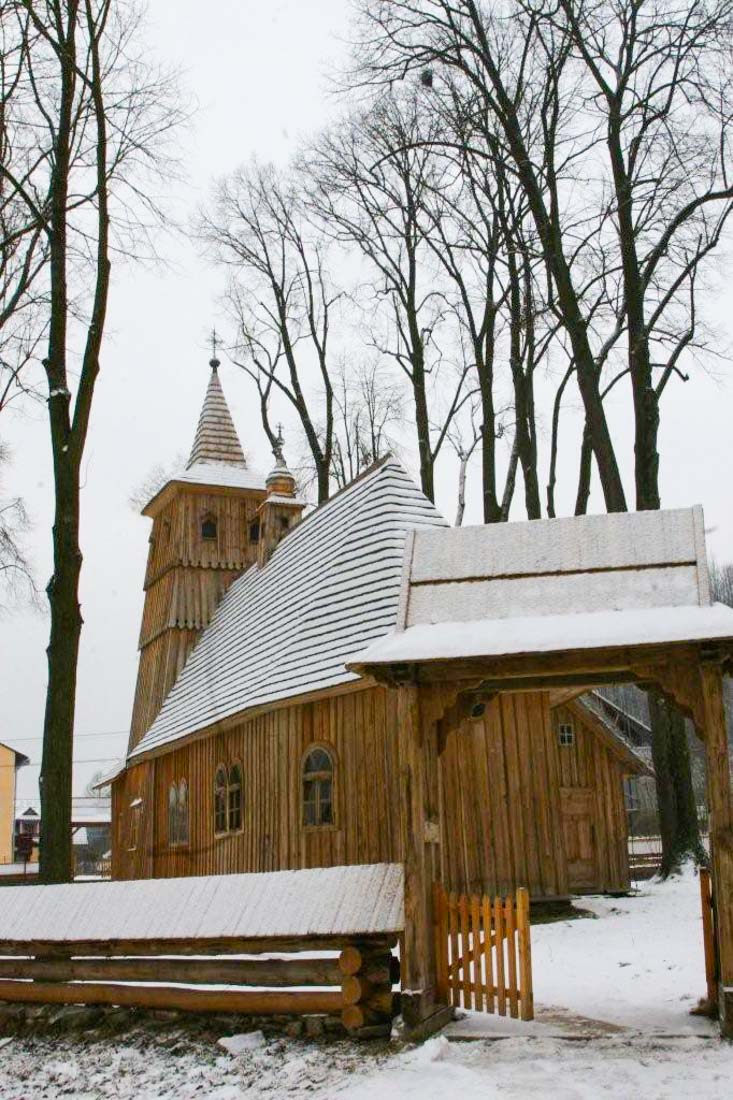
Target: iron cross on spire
{"x": 215, "y": 341}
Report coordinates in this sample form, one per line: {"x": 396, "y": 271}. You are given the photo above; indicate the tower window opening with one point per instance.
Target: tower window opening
{"x": 254, "y": 531}
{"x": 208, "y": 528}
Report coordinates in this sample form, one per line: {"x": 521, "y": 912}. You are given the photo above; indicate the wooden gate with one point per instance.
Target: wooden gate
{"x": 483, "y": 950}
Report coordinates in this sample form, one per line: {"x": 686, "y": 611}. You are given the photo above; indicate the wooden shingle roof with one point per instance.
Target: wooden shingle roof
{"x": 216, "y": 437}
{"x": 331, "y": 587}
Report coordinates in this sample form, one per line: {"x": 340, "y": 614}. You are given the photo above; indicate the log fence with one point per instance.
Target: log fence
{"x": 352, "y": 978}
{"x": 483, "y": 952}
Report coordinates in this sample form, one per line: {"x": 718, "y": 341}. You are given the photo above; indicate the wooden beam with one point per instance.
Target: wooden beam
{"x": 418, "y": 758}
{"x": 720, "y": 803}
{"x": 249, "y": 1002}
{"x": 280, "y": 973}
{"x": 204, "y": 946}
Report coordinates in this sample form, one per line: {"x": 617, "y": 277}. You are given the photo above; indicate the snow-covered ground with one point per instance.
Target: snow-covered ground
{"x": 619, "y": 988}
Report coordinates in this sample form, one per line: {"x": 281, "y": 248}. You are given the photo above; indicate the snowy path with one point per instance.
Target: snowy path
{"x": 638, "y": 967}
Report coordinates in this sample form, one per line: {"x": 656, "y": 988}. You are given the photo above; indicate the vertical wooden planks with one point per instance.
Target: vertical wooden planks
{"x": 478, "y": 984}
{"x": 499, "y": 943}
{"x": 526, "y": 997}
{"x": 511, "y": 951}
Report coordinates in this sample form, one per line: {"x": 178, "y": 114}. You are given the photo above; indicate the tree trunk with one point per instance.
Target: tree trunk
{"x": 675, "y": 797}
{"x": 56, "y": 863}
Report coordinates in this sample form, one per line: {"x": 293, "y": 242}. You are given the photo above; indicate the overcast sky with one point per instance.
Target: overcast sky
{"x": 258, "y": 72}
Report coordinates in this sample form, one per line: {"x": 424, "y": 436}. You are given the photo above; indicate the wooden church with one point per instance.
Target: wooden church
{"x": 255, "y": 747}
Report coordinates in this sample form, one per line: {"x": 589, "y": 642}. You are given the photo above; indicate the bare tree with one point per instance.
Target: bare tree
{"x": 372, "y": 177}
{"x": 527, "y": 104}
{"x": 16, "y": 575}
{"x": 92, "y": 117}
{"x": 369, "y": 408}
{"x": 280, "y": 297}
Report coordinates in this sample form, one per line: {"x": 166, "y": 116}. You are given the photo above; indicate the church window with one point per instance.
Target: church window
{"x": 318, "y": 788}
{"x": 254, "y": 531}
{"x": 235, "y": 798}
{"x": 173, "y": 814}
{"x": 178, "y": 813}
{"x": 220, "y": 800}
{"x": 183, "y": 812}
{"x": 566, "y": 734}
{"x": 208, "y": 528}
{"x": 136, "y": 810}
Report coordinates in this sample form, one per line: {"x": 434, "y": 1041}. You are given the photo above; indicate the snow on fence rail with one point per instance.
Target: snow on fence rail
{"x": 103, "y": 943}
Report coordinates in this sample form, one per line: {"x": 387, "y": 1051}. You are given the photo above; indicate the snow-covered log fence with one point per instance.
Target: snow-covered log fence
{"x": 131, "y": 943}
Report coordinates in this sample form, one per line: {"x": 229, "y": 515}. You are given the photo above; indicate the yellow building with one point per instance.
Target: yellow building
{"x": 10, "y": 761}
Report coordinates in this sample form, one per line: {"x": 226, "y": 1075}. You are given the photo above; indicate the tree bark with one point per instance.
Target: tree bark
{"x": 678, "y": 824}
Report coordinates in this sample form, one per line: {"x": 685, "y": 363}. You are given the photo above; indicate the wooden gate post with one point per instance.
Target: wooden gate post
{"x": 721, "y": 833}
{"x": 418, "y": 756}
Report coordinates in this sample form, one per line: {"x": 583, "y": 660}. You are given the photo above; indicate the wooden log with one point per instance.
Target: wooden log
{"x": 248, "y": 1002}
{"x": 181, "y": 947}
{"x": 377, "y": 967}
{"x": 355, "y": 991}
{"x": 280, "y": 973}
{"x": 355, "y": 1017}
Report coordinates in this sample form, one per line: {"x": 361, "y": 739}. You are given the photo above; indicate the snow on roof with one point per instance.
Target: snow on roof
{"x": 549, "y": 585}
{"x": 549, "y": 634}
{"x": 326, "y": 901}
{"x": 331, "y": 587}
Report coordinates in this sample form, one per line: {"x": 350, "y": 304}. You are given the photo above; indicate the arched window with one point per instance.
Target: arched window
{"x": 220, "y": 800}
{"x": 235, "y": 798}
{"x": 178, "y": 813}
{"x": 183, "y": 812}
{"x": 172, "y": 814}
{"x": 318, "y": 788}
{"x": 208, "y": 528}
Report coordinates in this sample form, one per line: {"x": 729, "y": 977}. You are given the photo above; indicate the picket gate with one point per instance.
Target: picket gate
{"x": 484, "y": 959}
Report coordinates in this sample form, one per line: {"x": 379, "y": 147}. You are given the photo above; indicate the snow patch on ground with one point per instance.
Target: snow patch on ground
{"x": 637, "y": 969}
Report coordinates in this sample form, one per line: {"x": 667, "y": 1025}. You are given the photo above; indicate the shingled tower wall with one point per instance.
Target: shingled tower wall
{"x": 205, "y": 534}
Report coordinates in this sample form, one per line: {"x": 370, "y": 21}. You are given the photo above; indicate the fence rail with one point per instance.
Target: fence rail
{"x": 483, "y": 948}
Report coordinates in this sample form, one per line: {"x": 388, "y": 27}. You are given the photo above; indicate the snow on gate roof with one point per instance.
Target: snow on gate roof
{"x": 325, "y": 901}
{"x": 331, "y": 587}
{"x": 543, "y": 586}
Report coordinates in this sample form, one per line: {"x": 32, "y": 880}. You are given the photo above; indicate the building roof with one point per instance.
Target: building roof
{"x": 544, "y": 586}
{"x": 331, "y": 587}
{"x": 216, "y": 438}
{"x": 85, "y": 810}
{"x": 605, "y": 728}
{"x": 325, "y": 901}
{"x": 216, "y": 458}
{"x": 20, "y": 757}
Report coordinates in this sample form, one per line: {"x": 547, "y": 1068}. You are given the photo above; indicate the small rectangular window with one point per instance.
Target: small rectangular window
{"x": 566, "y": 733}
{"x": 136, "y": 809}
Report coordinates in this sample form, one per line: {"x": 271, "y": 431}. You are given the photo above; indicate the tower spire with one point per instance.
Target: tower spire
{"x": 216, "y": 437}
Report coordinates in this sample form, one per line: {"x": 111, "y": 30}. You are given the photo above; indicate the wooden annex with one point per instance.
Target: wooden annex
{"x": 380, "y": 688}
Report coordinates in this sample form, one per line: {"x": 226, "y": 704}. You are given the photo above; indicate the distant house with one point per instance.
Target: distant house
{"x": 10, "y": 761}
{"x": 90, "y": 828}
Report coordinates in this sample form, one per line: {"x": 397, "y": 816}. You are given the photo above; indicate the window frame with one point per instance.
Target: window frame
{"x": 135, "y": 824}
{"x": 318, "y": 777}
{"x": 239, "y": 787}
{"x": 566, "y": 735}
{"x": 221, "y": 770}
{"x": 209, "y": 519}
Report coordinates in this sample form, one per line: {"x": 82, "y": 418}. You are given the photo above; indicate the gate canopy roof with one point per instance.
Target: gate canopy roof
{"x": 604, "y": 582}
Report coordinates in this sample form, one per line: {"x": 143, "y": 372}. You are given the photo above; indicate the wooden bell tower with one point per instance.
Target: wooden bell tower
{"x": 206, "y": 532}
